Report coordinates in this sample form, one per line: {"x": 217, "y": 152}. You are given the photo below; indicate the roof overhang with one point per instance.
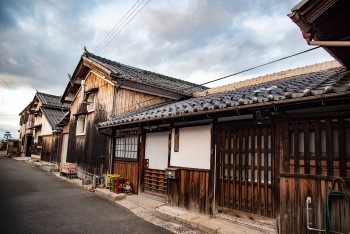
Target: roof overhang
{"x": 81, "y": 71}
{"x": 321, "y": 20}
{"x": 235, "y": 110}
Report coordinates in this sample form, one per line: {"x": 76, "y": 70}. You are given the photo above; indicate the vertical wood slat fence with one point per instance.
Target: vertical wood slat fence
{"x": 247, "y": 170}
{"x": 314, "y": 153}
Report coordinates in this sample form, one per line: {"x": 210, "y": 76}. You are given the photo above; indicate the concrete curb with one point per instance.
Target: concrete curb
{"x": 105, "y": 193}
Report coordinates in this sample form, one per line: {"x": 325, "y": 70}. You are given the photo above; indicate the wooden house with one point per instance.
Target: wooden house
{"x": 100, "y": 88}
{"x": 25, "y": 132}
{"x": 267, "y": 147}
{"x": 12, "y": 147}
{"x": 256, "y": 148}
{"x": 40, "y": 121}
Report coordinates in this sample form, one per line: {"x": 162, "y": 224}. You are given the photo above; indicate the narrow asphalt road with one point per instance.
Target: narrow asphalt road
{"x": 34, "y": 201}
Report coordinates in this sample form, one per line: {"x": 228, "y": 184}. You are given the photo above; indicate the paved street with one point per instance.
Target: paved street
{"x": 34, "y": 201}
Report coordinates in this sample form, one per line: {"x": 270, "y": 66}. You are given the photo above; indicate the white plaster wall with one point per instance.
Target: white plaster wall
{"x": 46, "y": 128}
{"x": 156, "y": 150}
{"x": 194, "y": 147}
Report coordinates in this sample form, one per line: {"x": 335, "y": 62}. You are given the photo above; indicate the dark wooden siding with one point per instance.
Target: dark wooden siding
{"x": 91, "y": 150}
{"x": 128, "y": 100}
{"x": 313, "y": 152}
{"x": 190, "y": 191}
{"x": 46, "y": 148}
{"x": 51, "y": 148}
{"x": 128, "y": 170}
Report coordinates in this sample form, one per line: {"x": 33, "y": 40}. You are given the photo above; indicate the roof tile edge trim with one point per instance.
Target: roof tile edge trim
{"x": 270, "y": 77}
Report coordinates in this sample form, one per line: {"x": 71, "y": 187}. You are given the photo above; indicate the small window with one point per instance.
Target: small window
{"x": 81, "y": 125}
{"x": 126, "y": 147}
{"x": 90, "y": 99}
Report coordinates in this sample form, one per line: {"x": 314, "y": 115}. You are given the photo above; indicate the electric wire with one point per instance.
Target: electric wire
{"x": 116, "y": 33}
{"x": 110, "y": 32}
{"x": 227, "y": 76}
{"x": 252, "y": 68}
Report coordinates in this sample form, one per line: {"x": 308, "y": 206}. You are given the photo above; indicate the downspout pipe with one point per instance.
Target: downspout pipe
{"x": 330, "y": 43}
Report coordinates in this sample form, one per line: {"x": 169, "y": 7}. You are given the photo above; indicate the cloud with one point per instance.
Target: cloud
{"x": 199, "y": 40}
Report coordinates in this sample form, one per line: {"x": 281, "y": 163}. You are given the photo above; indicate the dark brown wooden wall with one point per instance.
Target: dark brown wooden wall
{"x": 46, "y": 148}
{"x": 313, "y": 152}
{"x": 190, "y": 191}
{"x": 128, "y": 170}
{"x": 128, "y": 100}
{"x": 91, "y": 150}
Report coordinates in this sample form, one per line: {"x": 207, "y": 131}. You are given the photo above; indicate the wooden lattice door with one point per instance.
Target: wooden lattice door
{"x": 246, "y": 169}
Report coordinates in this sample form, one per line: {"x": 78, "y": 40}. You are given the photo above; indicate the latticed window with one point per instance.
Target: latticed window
{"x": 126, "y": 147}
{"x": 319, "y": 147}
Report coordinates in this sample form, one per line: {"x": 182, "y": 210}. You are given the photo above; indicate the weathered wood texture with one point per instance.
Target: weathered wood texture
{"x": 247, "y": 169}
{"x": 128, "y": 100}
{"x": 56, "y": 148}
{"x": 46, "y": 148}
{"x": 313, "y": 153}
{"x": 128, "y": 170}
{"x": 155, "y": 182}
{"x": 190, "y": 191}
{"x": 90, "y": 151}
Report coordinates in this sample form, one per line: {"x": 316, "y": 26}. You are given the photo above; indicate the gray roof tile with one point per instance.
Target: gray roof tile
{"x": 53, "y": 116}
{"x": 49, "y": 100}
{"x": 317, "y": 83}
{"x": 146, "y": 77}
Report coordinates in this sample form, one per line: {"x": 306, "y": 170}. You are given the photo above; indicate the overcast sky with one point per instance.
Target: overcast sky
{"x": 197, "y": 41}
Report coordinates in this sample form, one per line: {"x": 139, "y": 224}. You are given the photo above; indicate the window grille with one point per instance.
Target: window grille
{"x": 126, "y": 147}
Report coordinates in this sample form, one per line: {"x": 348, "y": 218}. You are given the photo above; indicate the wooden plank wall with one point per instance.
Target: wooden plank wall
{"x": 313, "y": 152}
{"x": 128, "y": 170}
{"x": 91, "y": 150}
{"x": 128, "y": 100}
{"x": 190, "y": 191}
{"x": 46, "y": 148}
{"x": 56, "y": 148}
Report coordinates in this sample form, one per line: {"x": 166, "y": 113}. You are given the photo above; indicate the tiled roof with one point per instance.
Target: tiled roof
{"x": 49, "y": 100}
{"x": 271, "y": 77}
{"x": 316, "y": 83}
{"x": 146, "y": 77}
{"x": 53, "y": 116}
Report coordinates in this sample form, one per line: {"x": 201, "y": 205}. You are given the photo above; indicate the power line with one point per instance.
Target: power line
{"x": 107, "y": 36}
{"x": 8, "y": 114}
{"x": 249, "y": 69}
{"x": 8, "y": 86}
{"x": 116, "y": 33}
{"x": 252, "y": 68}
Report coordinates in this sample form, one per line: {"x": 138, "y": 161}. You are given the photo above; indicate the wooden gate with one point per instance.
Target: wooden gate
{"x": 246, "y": 180}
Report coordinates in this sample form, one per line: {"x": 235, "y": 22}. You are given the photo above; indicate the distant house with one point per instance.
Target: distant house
{"x": 25, "y": 134}
{"x": 38, "y": 122}
{"x": 236, "y": 148}
{"x": 98, "y": 89}
{"x": 12, "y": 147}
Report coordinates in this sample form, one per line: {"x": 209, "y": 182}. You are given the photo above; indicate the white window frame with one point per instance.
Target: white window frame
{"x": 80, "y": 129}
{"x": 126, "y": 148}
{"x": 91, "y": 101}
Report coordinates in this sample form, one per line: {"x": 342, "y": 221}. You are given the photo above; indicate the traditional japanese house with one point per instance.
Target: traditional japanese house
{"x": 44, "y": 113}
{"x": 12, "y": 147}
{"x": 100, "y": 88}
{"x": 256, "y": 148}
{"x": 25, "y": 133}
